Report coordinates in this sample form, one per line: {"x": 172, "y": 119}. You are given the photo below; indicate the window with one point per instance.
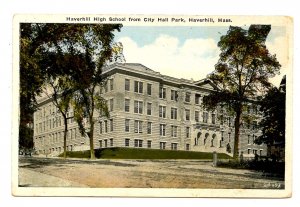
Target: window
{"x": 138, "y": 107}
{"x": 105, "y": 143}
{"x": 173, "y": 113}
{"x": 229, "y": 137}
{"x": 105, "y": 126}
{"x": 162, "y": 111}
{"x": 149, "y": 89}
{"x": 213, "y": 118}
{"x": 205, "y": 117}
{"x": 187, "y": 132}
{"x": 162, "y": 92}
{"x": 138, "y": 143}
{"x": 127, "y": 142}
{"x": 187, "y": 114}
{"x": 100, "y": 127}
{"x": 174, "y": 146}
{"x": 111, "y": 84}
{"x": 149, "y": 108}
{"x": 72, "y": 117}
{"x": 127, "y": 125}
{"x": 100, "y": 143}
{"x": 111, "y": 125}
{"x": 249, "y": 151}
{"x": 105, "y": 87}
{"x": 253, "y": 139}
{"x": 149, "y": 128}
{"x": 162, "y": 130}
{"x": 222, "y": 136}
{"x": 174, "y": 95}
{"x": 127, "y": 85}
{"x": 229, "y": 121}
{"x": 248, "y": 139}
{"x": 149, "y": 144}
{"x": 74, "y": 131}
{"x": 111, "y": 104}
{"x": 197, "y": 116}
{"x": 111, "y": 142}
{"x": 162, "y": 145}
{"x": 187, "y": 147}
{"x": 187, "y": 97}
{"x": 127, "y": 105}
{"x": 138, "y": 126}
{"x": 173, "y": 131}
{"x": 71, "y": 134}
{"x": 197, "y": 98}
{"x": 138, "y": 87}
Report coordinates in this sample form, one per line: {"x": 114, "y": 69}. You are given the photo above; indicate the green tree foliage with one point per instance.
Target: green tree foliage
{"x": 242, "y": 71}
{"x": 60, "y": 91}
{"x": 31, "y": 80}
{"x": 89, "y": 79}
{"x": 70, "y": 57}
{"x": 273, "y": 122}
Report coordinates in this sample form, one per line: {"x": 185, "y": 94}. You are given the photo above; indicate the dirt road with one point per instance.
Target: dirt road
{"x": 56, "y": 172}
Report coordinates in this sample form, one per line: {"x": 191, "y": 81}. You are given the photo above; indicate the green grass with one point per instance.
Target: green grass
{"x": 140, "y": 153}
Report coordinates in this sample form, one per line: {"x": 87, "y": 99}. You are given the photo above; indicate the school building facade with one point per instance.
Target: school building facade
{"x": 148, "y": 110}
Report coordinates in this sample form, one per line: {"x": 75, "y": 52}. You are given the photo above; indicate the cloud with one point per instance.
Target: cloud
{"x": 279, "y": 47}
{"x": 194, "y": 58}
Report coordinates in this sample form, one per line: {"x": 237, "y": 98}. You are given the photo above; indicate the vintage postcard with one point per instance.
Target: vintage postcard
{"x": 152, "y": 106}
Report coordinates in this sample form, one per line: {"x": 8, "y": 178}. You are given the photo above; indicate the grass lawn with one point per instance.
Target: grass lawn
{"x": 141, "y": 153}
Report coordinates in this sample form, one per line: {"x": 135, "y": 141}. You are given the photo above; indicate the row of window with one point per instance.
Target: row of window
{"x": 57, "y": 137}
{"x": 109, "y": 84}
{"x": 139, "y": 88}
{"x": 254, "y": 151}
{"x": 104, "y": 143}
{"x": 252, "y": 138}
{"x": 139, "y": 143}
{"x": 52, "y": 123}
{"x": 138, "y": 108}
{"x": 138, "y": 128}
{"x": 48, "y": 112}
{"x": 104, "y": 129}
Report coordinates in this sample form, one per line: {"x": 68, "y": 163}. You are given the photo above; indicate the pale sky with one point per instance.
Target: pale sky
{"x": 186, "y": 52}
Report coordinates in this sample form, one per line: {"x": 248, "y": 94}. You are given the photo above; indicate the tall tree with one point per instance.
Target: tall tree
{"x": 273, "y": 121}
{"x": 98, "y": 54}
{"x": 31, "y": 80}
{"x": 77, "y": 53}
{"x": 58, "y": 85}
{"x": 60, "y": 91}
{"x": 242, "y": 71}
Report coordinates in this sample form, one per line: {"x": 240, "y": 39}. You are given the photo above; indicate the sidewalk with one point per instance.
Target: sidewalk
{"x": 30, "y": 178}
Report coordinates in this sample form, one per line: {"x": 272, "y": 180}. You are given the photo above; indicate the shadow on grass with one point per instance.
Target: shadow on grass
{"x": 38, "y": 162}
{"x": 269, "y": 169}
